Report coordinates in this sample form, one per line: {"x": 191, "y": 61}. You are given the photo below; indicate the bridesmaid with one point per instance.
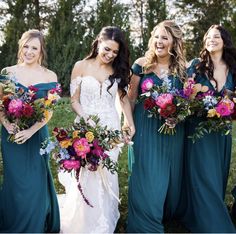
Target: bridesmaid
{"x": 28, "y": 200}
{"x": 208, "y": 159}
{"x": 155, "y": 182}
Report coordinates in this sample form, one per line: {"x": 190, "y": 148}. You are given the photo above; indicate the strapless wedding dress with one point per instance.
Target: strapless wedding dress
{"x": 99, "y": 187}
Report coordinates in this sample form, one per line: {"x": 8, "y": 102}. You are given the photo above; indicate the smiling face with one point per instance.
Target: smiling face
{"x": 162, "y": 42}
{"x": 108, "y": 50}
{"x": 31, "y": 51}
{"x": 213, "y": 41}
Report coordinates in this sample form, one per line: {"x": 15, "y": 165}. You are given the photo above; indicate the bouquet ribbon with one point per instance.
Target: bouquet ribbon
{"x": 106, "y": 184}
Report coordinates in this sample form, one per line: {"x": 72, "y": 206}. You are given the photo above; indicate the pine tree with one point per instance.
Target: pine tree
{"x": 65, "y": 40}
{"x": 23, "y": 15}
{"x": 196, "y": 17}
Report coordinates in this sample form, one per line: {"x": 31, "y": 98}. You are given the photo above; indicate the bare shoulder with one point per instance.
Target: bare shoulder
{"x": 51, "y": 76}
{"x": 140, "y": 61}
{"x": 79, "y": 68}
{"x": 10, "y": 69}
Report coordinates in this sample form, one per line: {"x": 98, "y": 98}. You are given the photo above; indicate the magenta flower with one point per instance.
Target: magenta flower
{"x": 33, "y": 88}
{"x": 223, "y": 109}
{"x": 98, "y": 150}
{"x": 188, "y": 89}
{"x": 147, "y": 85}
{"x": 164, "y": 99}
{"x": 71, "y": 164}
{"x": 81, "y": 147}
{"x": 15, "y": 107}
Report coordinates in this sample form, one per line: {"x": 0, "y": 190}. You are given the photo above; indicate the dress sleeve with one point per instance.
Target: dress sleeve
{"x": 137, "y": 70}
{"x": 75, "y": 83}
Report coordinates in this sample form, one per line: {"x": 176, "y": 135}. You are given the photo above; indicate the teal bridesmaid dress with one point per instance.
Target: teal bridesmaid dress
{"x": 28, "y": 201}
{"x": 155, "y": 181}
{"x": 234, "y": 205}
{"x": 206, "y": 169}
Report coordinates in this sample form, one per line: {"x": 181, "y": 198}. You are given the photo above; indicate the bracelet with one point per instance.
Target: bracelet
{"x": 5, "y": 121}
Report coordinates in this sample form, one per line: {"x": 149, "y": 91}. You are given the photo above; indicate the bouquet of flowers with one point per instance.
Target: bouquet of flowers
{"x": 165, "y": 102}
{"x": 215, "y": 110}
{"x": 85, "y": 144}
{"x": 21, "y": 107}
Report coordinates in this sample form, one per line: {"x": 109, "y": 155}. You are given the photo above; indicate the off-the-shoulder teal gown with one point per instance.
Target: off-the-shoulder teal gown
{"x": 155, "y": 181}
{"x": 28, "y": 201}
{"x": 206, "y": 169}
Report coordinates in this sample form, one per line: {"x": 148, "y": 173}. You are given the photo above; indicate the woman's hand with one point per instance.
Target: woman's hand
{"x": 10, "y": 127}
{"x": 22, "y": 136}
{"x": 128, "y": 133}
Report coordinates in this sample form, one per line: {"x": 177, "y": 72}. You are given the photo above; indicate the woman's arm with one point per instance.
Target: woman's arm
{"x": 22, "y": 136}
{"x": 10, "y": 127}
{"x": 127, "y": 111}
{"x": 75, "y": 90}
{"x": 133, "y": 90}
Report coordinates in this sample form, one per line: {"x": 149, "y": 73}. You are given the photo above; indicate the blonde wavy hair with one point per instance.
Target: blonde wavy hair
{"x": 27, "y": 36}
{"x": 178, "y": 61}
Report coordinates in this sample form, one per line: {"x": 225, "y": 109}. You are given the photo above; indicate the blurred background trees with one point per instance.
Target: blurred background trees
{"x": 70, "y": 26}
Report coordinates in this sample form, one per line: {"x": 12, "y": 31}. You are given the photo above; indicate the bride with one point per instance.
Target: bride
{"x": 96, "y": 81}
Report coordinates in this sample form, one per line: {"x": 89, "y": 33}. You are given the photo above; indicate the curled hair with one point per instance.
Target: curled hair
{"x": 121, "y": 63}
{"x": 206, "y": 65}
{"x": 27, "y": 36}
{"x": 177, "y": 58}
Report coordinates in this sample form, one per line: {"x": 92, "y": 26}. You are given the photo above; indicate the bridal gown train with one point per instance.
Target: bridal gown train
{"x": 99, "y": 187}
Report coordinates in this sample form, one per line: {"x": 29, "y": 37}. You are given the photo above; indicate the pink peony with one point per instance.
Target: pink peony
{"x": 81, "y": 147}
{"x": 223, "y": 109}
{"x": 71, "y": 164}
{"x": 15, "y": 107}
{"x": 164, "y": 99}
{"x": 146, "y": 85}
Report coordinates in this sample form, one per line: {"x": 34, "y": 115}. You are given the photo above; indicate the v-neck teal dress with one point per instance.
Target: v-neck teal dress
{"x": 206, "y": 169}
{"x": 155, "y": 181}
{"x": 28, "y": 201}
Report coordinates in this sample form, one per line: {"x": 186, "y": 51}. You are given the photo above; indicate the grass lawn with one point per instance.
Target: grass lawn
{"x": 64, "y": 117}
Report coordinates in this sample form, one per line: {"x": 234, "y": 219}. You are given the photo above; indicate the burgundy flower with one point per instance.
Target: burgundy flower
{"x": 60, "y": 134}
{"x": 168, "y": 110}
{"x": 27, "y": 110}
{"x": 149, "y": 104}
{"x": 6, "y": 102}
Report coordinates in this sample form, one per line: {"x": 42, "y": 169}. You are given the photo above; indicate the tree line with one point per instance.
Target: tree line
{"x": 70, "y": 26}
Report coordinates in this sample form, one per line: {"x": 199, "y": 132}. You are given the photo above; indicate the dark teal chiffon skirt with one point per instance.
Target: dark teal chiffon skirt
{"x": 155, "y": 182}
{"x": 28, "y": 201}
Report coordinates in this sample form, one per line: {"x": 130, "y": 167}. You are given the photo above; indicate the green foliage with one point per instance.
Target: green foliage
{"x": 148, "y": 13}
{"x": 23, "y": 15}
{"x": 65, "y": 40}
{"x": 155, "y": 13}
{"x": 197, "y": 16}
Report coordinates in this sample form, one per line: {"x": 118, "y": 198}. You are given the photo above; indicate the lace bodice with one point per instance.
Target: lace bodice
{"x": 96, "y": 100}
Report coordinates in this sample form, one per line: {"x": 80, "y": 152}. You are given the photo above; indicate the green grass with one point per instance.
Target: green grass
{"x": 64, "y": 117}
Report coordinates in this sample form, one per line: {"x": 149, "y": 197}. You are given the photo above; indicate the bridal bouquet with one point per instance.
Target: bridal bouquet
{"x": 21, "y": 107}
{"x": 165, "y": 102}
{"x": 215, "y": 111}
{"x": 85, "y": 144}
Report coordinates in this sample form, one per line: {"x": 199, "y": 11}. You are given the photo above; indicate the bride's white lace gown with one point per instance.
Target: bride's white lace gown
{"x": 99, "y": 187}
